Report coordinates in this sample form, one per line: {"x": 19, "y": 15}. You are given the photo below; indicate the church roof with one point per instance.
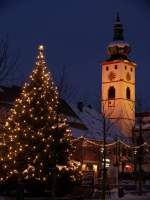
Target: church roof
{"x": 94, "y": 121}
{"x": 118, "y": 49}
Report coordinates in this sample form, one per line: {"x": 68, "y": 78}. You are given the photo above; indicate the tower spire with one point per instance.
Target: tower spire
{"x": 118, "y": 49}
{"x": 118, "y": 29}
{"x": 117, "y": 17}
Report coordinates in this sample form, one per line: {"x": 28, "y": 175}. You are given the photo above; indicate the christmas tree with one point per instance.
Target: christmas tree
{"x": 37, "y": 137}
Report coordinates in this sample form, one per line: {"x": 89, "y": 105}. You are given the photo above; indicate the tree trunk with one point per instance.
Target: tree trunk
{"x": 20, "y": 191}
{"x": 53, "y": 189}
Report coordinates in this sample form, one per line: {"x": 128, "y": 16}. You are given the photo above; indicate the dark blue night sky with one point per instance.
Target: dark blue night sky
{"x": 75, "y": 34}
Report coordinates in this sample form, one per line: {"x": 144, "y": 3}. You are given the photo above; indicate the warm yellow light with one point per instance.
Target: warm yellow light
{"x": 95, "y": 168}
{"x": 83, "y": 167}
{"x": 41, "y": 47}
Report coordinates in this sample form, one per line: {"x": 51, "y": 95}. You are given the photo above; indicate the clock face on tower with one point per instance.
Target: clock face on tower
{"x": 128, "y": 76}
{"x": 111, "y": 76}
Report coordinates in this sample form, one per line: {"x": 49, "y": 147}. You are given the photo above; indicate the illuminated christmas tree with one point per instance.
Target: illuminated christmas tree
{"x": 37, "y": 137}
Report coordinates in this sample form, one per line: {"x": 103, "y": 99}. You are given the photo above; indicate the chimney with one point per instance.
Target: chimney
{"x": 80, "y": 106}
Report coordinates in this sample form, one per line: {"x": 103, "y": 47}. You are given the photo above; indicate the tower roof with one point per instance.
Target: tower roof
{"x": 118, "y": 49}
{"x": 118, "y": 29}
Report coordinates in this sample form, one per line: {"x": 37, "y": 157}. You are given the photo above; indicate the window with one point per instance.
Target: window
{"x": 116, "y": 66}
{"x": 131, "y": 69}
{"x": 107, "y": 68}
{"x": 111, "y": 93}
{"x": 128, "y": 95}
{"x": 125, "y": 67}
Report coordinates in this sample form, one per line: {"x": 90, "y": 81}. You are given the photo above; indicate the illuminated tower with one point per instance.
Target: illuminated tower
{"x": 118, "y": 83}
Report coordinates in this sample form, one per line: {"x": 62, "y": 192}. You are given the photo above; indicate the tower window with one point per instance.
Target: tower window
{"x": 116, "y": 66}
{"x": 131, "y": 69}
{"x": 107, "y": 68}
{"x": 128, "y": 94}
{"x": 125, "y": 67}
{"x": 111, "y": 93}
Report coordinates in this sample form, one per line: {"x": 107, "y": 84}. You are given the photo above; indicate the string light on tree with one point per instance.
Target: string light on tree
{"x": 38, "y": 138}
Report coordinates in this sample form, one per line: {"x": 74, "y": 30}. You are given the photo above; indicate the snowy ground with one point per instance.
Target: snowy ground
{"x": 127, "y": 196}
{"x": 111, "y": 196}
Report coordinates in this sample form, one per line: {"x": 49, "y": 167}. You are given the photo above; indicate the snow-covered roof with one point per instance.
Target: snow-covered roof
{"x": 145, "y": 121}
{"x": 94, "y": 121}
{"x": 119, "y": 43}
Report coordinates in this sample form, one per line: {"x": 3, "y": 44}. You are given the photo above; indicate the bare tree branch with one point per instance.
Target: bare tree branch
{"x": 66, "y": 90}
{"x": 8, "y": 61}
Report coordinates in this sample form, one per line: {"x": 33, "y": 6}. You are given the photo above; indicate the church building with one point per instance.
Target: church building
{"x": 118, "y": 83}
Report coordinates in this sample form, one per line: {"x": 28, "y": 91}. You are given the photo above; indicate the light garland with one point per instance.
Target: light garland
{"x": 108, "y": 145}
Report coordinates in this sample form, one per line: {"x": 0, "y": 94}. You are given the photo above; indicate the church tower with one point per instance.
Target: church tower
{"x": 118, "y": 83}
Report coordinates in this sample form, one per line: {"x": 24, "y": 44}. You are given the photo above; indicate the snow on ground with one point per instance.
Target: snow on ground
{"x": 128, "y": 196}
{"x": 111, "y": 195}
{"x": 132, "y": 197}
